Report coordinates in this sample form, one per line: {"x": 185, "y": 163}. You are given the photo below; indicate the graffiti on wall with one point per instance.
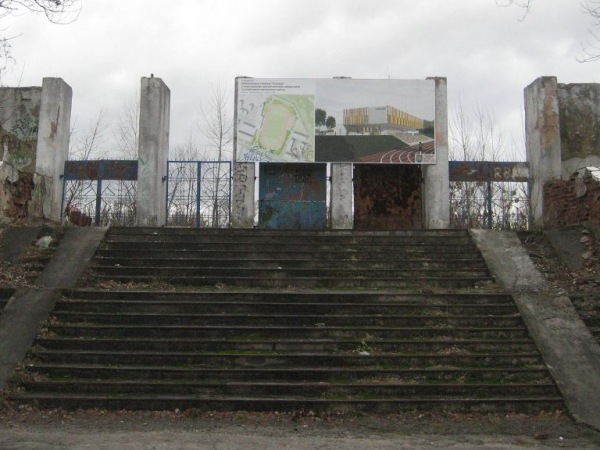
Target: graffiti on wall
{"x": 19, "y": 117}
{"x": 292, "y": 196}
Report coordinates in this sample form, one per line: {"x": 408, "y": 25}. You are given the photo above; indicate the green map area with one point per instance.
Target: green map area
{"x": 283, "y": 131}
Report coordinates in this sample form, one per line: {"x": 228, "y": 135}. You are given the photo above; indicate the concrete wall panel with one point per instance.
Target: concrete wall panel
{"x": 19, "y": 117}
{"x": 542, "y": 133}
{"x": 579, "y": 110}
{"x": 341, "y": 196}
{"x": 53, "y": 142}
{"x": 155, "y": 100}
{"x": 242, "y": 204}
{"x": 436, "y": 190}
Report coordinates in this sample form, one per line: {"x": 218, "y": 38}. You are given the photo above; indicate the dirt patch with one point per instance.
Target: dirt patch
{"x": 23, "y": 271}
{"x": 583, "y": 285}
{"x": 28, "y": 428}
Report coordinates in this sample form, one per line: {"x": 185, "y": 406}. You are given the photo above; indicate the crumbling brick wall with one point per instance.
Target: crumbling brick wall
{"x": 15, "y": 196}
{"x": 575, "y": 201}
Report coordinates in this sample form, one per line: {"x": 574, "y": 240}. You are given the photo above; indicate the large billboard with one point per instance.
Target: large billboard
{"x": 335, "y": 120}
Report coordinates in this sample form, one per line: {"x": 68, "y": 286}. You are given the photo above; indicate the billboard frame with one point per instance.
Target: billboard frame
{"x": 385, "y": 115}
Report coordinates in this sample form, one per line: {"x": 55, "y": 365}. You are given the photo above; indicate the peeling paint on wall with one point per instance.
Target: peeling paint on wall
{"x": 551, "y": 118}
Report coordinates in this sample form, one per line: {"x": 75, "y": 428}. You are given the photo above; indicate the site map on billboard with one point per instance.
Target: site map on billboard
{"x": 335, "y": 120}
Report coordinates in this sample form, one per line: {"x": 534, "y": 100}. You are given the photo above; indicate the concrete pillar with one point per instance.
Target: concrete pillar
{"x": 341, "y": 196}
{"x": 436, "y": 191}
{"x": 542, "y": 134}
{"x": 242, "y": 205}
{"x": 54, "y": 129}
{"x": 155, "y": 100}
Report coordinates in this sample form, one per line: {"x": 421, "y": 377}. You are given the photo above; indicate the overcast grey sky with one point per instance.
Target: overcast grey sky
{"x": 486, "y": 53}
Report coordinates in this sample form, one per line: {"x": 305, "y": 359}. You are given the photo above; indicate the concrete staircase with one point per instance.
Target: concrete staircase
{"x": 373, "y": 322}
{"x": 302, "y": 259}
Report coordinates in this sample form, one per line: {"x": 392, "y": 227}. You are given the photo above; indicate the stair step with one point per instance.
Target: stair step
{"x": 288, "y": 345}
{"x": 307, "y": 373}
{"x": 303, "y": 282}
{"x": 283, "y": 296}
{"x": 256, "y": 307}
{"x": 270, "y": 359}
{"x": 240, "y": 232}
{"x": 273, "y": 238}
{"x": 319, "y": 320}
{"x": 384, "y": 389}
{"x": 304, "y": 264}
{"x": 301, "y": 253}
{"x": 315, "y": 332}
{"x": 332, "y": 321}
{"x": 212, "y": 403}
{"x": 190, "y": 272}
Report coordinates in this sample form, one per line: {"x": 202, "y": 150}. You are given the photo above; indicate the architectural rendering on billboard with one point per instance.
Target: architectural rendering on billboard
{"x": 335, "y": 120}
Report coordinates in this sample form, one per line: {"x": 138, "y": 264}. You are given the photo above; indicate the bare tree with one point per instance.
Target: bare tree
{"x": 5, "y": 56}
{"x": 591, "y": 48}
{"x": 85, "y": 145}
{"x": 128, "y": 128}
{"x": 475, "y": 136}
{"x": 56, "y": 11}
{"x": 89, "y": 144}
{"x": 183, "y": 185}
{"x": 217, "y": 127}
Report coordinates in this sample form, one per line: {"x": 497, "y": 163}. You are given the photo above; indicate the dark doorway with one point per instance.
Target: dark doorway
{"x": 387, "y": 197}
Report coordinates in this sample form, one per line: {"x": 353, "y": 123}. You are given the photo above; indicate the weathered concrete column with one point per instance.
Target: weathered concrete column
{"x": 542, "y": 134}
{"x": 341, "y": 196}
{"x": 54, "y": 129}
{"x": 436, "y": 191}
{"x": 155, "y": 101}
{"x": 242, "y": 205}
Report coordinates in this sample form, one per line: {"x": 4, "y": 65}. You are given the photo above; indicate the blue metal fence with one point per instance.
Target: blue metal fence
{"x": 198, "y": 194}
{"x": 102, "y": 192}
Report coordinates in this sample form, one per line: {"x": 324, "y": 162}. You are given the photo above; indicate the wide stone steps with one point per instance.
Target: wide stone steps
{"x": 90, "y": 357}
{"x": 358, "y": 321}
{"x": 280, "y": 259}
